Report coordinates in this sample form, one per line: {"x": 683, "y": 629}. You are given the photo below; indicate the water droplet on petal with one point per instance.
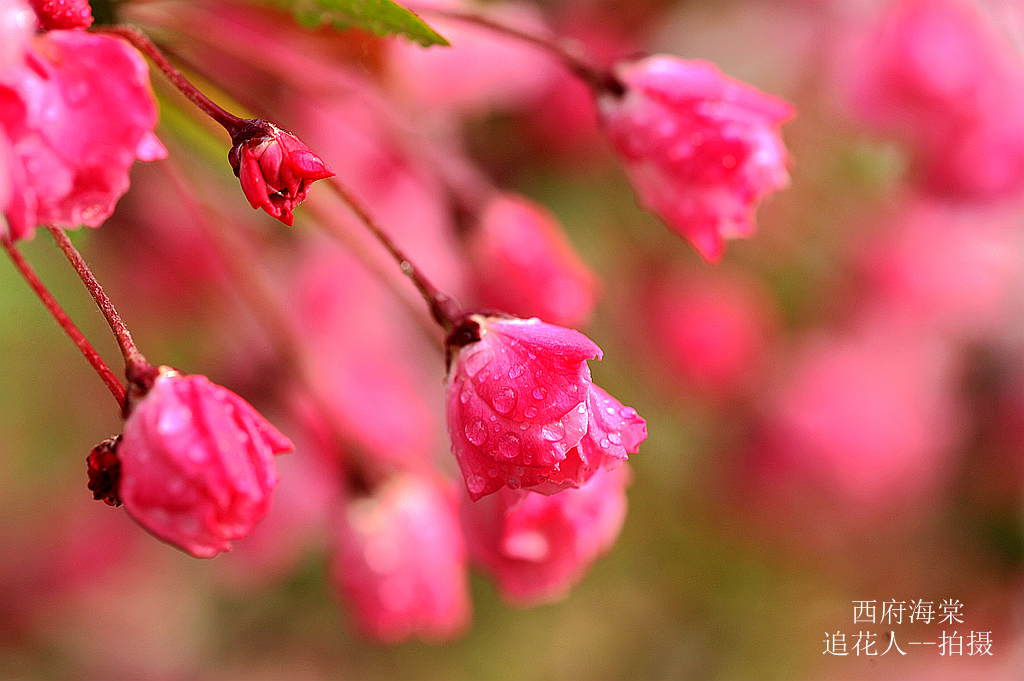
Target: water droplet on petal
{"x": 476, "y": 432}
{"x": 516, "y": 370}
{"x": 464, "y": 396}
{"x": 476, "y": 484}
{"x": 627, "y": 412}
{"x": 174, "y": 420}
{"x": 616, "y": 438}
{"x": 539, "y": 393}
{"x": 530, "y": 412}
{"x": 509, "y": 446}
{"x": 553, "y": 432}
{"x": 504, "y": 400}
{"x": 604, "y": 443}
{"x": 513, "y": 483}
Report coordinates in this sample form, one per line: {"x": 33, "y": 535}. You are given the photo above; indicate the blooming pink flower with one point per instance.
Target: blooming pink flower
{"x": 62, "y": 14}
{"x": 78, "y": 113}
{"x": 701, "y": 148}
{"x": 537, "y": 547}
{"x": 401, "y": 563}
{"x": 197, "y": 464}
{"x": 275, "y": 169}
{"x": 524, "y": 265}
{"x": 523, "y": 413}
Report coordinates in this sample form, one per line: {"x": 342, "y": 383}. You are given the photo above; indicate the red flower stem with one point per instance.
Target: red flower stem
{"x": 60, "y": 316}
{"x": 140, "y": 41}
{"x": 443, "y": 307}
{"x": 136, "y": 367}
{"x": 565, "y": 51}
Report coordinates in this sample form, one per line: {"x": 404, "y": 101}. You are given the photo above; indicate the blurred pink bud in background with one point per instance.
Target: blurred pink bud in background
{"x": 711, "y": 330}
{"x": 701, "y": 149}
{"x": 275, "y": 169}
{"x": 197, "y": 464}
{"x": 78, "y": 113}
{"x": 942, "y": 269}
{"x": 524, "y": 265}
{"x": 481, "y": 70}
{"x": 871, "y": 416}
{"x": 538, "y": 547}
{"x": 934, "y": 74}
{"x": 63, "y": 14}
{"x": 519, "y": 405}
{"x": 400, "y": 561}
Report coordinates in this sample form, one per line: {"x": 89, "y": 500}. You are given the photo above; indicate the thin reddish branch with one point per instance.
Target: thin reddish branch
{"x": 568, "y": 52}
{"x": 62, "y": 319}
{"x": 140, "y": 41}
{"x": 137, "y": 367}
{"x": 443, "y": 308}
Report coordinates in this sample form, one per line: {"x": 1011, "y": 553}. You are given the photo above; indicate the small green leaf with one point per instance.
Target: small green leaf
{"x": 382, "y": 17}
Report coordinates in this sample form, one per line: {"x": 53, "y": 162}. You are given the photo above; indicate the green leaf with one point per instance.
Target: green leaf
{"x": 382, "y": 17}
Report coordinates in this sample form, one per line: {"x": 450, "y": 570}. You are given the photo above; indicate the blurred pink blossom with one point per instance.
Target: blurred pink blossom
{"x": 63, "y": 14}
{"x": 78, "y": 113}
{"x": 537, "y": 547}
{"x": 482, "y": 69}
{"x": 935, "y": 74}
{"x": 197, "y": 464}
{"x": 871, "y": 416}
{"x": 523, "y": 413}
{"x": 711, "y": 330}
{"x": 942, "y": 269}
{"x": 701, "y": 148}
{"x": 400, "y": 561}
{"x": 524, "y": 264}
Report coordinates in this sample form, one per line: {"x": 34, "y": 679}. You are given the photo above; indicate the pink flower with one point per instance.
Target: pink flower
{"x": 401, "y": 563}
{"x": 523, "y": 413}
{"x": 62, "y": 14}
{"x": 78, "y": 113}
{"x": 197, "y": 464}
{"x": 537, "y": 547}
{"x": 524, "y": 265}
{"x": 275, "y": 168}
{"x": 701, "y": 148}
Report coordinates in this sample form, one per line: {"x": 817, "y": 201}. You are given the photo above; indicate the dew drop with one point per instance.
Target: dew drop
{"x": 604, "y": 443}
{"x": 513, "y": 483}
{"x": 553, "y": 432}
{"x": 476, "y": 484}
{"x": 509, "y": 446}
{"x": 516, "y": 370}
{"x": 539, "y": 393}
{"x": 174, "y": 421}
{"x": 476, "y": 432}
{"x": 627, "y": 412}
{"x": 616, "y": 438}
{"x": 504, "y": 400}
{"x": 530, "y": 412}
{"x": 464, "y": 396}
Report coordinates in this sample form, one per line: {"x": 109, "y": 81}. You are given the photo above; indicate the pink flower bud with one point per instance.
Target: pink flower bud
{"x": 524, "y": 265}
{"x": 522, "y": 411}
{"x": 197, "y": 464}
{"x": 401, "y": 562}
{"x": 701, "y": 148}
{"x": 537, "y": 547}
{"x": 63, "y": 14}
{"x": 78, "y": 112}
{"x": 275, "y": 168}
